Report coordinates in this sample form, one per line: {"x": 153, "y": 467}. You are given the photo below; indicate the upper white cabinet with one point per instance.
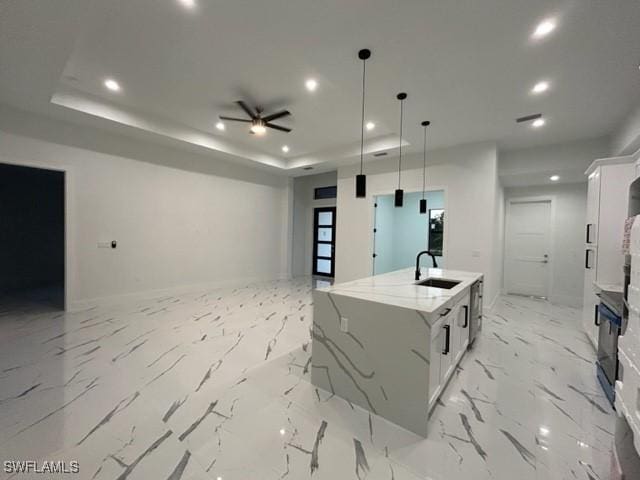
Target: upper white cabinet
{"x": 607, "y": 204}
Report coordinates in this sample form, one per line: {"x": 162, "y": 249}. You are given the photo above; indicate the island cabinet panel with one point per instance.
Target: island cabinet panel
{"x": 390, "y": 345}
{"x": 462, "y": 326}
{"x": 435, "y": 372}
{"x": 381, "y": 362}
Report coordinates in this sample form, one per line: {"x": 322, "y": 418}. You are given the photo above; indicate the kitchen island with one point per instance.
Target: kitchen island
{"x": 389, "y": 344}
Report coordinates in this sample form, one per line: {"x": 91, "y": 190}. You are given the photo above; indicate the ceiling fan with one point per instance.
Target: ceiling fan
{"x": 259, "y": 123}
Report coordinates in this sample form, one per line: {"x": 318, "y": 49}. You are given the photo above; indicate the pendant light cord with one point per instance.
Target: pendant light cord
{"x": 400, "y": 159}
{"x": 364, "y": 75}
{"x": 424, "y": 163}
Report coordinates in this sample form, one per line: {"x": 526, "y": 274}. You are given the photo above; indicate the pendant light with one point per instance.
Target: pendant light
{"x": 361, "y": 179}
{"x": 423, "y": 202}
{"x": 399, "y": 198}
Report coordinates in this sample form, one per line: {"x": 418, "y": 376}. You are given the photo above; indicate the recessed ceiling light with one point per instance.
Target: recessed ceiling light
{"x": 371, "y": 125}
{"x": 188, "y": 3}
{"x": 311, "y": 85}
{"x": 112, "y": 85}
{"x": 285, "y": 149}
{"x": 540, "y": 87}
{"x": 554, "y": 178}
{"x": 220, "y": 126}
{"x": 544, "y": 28}
{"x": 538, "y": 123}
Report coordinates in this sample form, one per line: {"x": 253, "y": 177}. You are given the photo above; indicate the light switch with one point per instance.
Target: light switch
{"x": 344, "y": 324}
{"x": 475, "y": 253}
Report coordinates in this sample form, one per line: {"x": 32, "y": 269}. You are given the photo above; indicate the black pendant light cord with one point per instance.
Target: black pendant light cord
{"x": 364, "y": 76}
{"x": 400, "y": 159}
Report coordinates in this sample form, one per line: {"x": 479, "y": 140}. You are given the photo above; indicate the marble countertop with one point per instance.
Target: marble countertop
{"x": 609, "y": 287}
{"x": 399, "y": 288}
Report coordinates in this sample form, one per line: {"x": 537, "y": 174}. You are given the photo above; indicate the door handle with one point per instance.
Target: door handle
{"x": 466, "y": 316}
{"x": 596, "y": 320}
{"x": 446, "y": 339}
{"x": 446, "y": 312}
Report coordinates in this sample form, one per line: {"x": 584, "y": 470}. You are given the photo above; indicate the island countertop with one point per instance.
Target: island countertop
{"x": 399, "y": 288}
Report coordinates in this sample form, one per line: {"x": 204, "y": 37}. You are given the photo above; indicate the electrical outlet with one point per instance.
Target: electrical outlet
{"x": 344, "y": 324}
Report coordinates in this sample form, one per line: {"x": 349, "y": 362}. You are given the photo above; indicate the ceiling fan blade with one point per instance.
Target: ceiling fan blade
{"x": 246, "y": 108}
{"x": 231, "y": 119}
{"x": 275, "y": 116}
{"x": 277, "y": 127}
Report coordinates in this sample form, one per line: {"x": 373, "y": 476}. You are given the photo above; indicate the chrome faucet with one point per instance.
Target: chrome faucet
{"x": 433, "y": 259}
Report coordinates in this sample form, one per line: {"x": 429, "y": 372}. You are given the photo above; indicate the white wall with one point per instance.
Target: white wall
{"x": 303, "y": 205}
{"x": 534, "y": 166}
{"x": 626, "y": 139}
{"x": 217, "y": 225}
{"x": 467, "y": 173}
{"x": 567, "y": 255}
{"x": 498, "y": 239}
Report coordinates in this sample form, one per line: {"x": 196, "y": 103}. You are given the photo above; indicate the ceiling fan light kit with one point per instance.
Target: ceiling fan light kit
{"x": 361, "y": 178}
{"x": 259, "y": 123}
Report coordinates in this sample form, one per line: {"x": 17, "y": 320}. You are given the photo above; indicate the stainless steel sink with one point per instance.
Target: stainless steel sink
{"x": 438, "y": 283}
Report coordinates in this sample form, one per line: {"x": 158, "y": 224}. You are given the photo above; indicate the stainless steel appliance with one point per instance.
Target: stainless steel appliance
{"x": 609, "y": 323}
{"x": 475, "y": 311}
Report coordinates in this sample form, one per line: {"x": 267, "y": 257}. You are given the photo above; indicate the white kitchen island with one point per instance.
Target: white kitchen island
{"x": 390, "y": 345}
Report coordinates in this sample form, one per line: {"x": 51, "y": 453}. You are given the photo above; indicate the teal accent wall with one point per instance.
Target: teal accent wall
{"x": 402, "y": 232}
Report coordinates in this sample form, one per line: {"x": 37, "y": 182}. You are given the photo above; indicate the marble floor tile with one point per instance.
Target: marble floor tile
{"x": 215, "y": 385}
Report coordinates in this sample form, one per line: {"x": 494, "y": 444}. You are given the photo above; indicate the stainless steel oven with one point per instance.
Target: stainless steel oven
{"x": 609, "y": 321}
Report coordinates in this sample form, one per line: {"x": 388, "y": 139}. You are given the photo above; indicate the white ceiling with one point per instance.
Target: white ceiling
{"x": 468, "y": 66}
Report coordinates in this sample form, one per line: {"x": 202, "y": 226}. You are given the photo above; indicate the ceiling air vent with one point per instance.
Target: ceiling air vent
{"x": 528, "y": 118}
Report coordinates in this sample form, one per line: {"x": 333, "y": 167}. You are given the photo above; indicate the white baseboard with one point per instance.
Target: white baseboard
{"x": 566, "y": 300}
{"x": 79, "y": 305}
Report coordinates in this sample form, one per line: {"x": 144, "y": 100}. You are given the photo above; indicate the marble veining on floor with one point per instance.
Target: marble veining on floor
{"x": 215, "y": 385}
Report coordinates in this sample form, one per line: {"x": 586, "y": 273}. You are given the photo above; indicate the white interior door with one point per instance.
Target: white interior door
{"x": 528, "y": 247}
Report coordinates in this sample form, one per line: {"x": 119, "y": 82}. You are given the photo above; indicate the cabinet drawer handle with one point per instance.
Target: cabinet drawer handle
{"x": 446, "y": 312}
{"x": 588, "y": 239}
{"x": 597, "y": 317}
{"x": 586, "y": 259}
{"x": 446, "y": 339}
{"x": 466, "y": 316}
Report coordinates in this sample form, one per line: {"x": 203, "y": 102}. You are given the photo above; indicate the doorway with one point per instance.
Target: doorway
{"x": 528, "y": 247}
{"x": 400, "y": 233}
{"x": 324, "y": 241}
{"x": 32, "y": 236}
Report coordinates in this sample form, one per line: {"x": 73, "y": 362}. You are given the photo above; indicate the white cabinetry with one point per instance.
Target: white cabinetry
{"x": 607, "y": 203}
{"x": 628, "y": 383}
{"x": 449, "y": 341}
{"x": 462, "y": 327}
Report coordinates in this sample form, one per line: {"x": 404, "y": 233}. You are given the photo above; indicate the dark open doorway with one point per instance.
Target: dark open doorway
{"x": 32, "y": 235}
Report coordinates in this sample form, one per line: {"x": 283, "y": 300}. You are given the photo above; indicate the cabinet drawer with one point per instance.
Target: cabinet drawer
{"x": 628, "y": 396}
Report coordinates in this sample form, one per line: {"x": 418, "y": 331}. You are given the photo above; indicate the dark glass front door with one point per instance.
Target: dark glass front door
{"x": 324, "y": 241}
